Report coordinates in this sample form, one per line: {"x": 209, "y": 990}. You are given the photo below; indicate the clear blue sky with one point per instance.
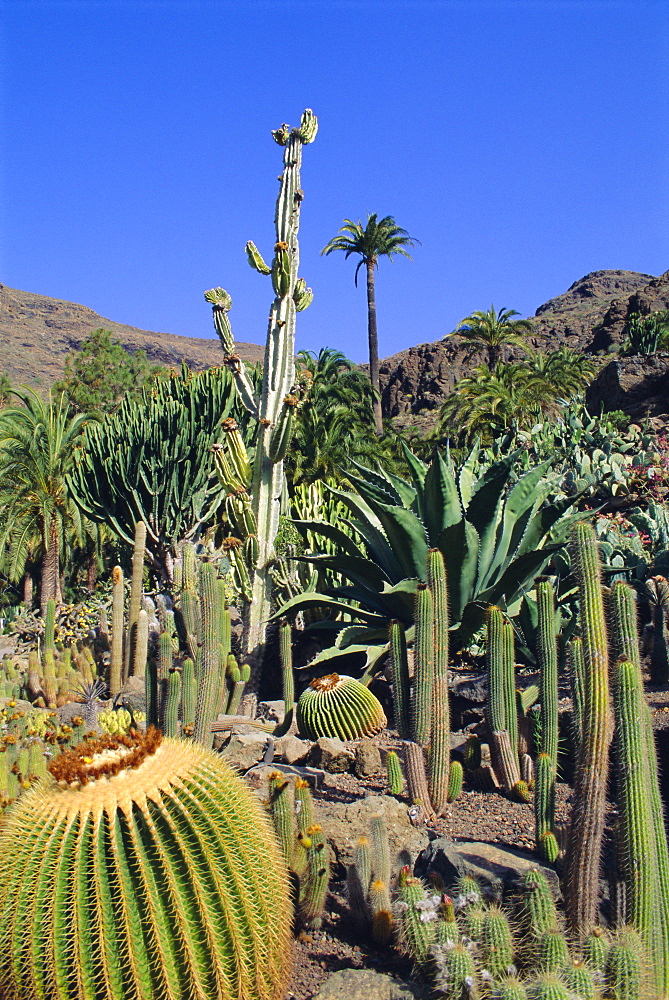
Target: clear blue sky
{"x": 523, "y": 143}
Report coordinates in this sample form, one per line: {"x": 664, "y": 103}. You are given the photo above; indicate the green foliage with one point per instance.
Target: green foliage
{"x": 38, "y": 439}
{"x": 645, "y": 334}
{"x": 513, "y": 396}
{"x": 5, "y": 389}
{"x": 102, "y": 372}
{"x": 334, "y": 421}
{"x": 493, "y": 331}
{"x": 495, "y": 537}
{"x": 191, "y": 892}
{"x": 150, "y": 460}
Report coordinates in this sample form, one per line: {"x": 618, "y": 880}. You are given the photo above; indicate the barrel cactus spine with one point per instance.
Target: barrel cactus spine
{"x": 184, "y": 836}
{"x": 337, "y": 705}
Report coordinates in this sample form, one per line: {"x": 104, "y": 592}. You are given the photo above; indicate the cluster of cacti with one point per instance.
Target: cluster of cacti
{"x": 119, "y": 721}
{"x": 340, "y": 706}
{"x": 469, "y": 947}
{"x": 53, "y": 675}
{"x": 143, "y": 868}
{"x": 501, "y": 707}
{"x": 369, "y": 883}
{"x": 255, "y": 492}
{"x": 27, "y": 741}
{"x": 303, "y": 844}
{"x": 422, "y": 712}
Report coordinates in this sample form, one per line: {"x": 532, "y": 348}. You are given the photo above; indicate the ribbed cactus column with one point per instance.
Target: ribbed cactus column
{"x": 546, "y": 771}
{"x": 585, "y": 841}
{"x": 275, "y": 410}
{"x": 439, "y": 752}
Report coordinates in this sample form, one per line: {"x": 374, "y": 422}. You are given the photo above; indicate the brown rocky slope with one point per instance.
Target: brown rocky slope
{"x": 37, "y": 333}
{"x": 589, "y": 316}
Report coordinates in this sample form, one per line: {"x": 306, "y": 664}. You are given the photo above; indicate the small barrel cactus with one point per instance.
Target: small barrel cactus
{"x": 142, "y": 868}
{"x": 337, "y": 705}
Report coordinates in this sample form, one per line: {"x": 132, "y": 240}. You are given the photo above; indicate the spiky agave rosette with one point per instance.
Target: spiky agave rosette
{"x": 337, "y": 705}
{"x": 142, "y": 868}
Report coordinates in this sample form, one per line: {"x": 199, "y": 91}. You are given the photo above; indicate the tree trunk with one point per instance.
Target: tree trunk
{"x": 28, "y": 590}
{"x": 373, "y": 347}
{"x": 49, "y": 585}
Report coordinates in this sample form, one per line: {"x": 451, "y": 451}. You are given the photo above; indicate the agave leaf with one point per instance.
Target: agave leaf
{"x": 314, "y": 600}
{"x": 331, "y": 531}
{"x": 376, "y": 486}
{"x": 335, "y": 657}
{"x": 355, "y": 568}
{"x": 459, "y": 545}
{"x": 466, "y": 479}
{"x": 418, "y": 468}
{"x": 406, "y": 536}
{"x": 441, "y": 501}
{"x": 519, "y": 575}
{"x": 367, "y": 524}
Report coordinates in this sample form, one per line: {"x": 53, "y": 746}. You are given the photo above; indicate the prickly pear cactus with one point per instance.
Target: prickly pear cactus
{"x": 337, "y": 705}
{"x": 142, "y": 868}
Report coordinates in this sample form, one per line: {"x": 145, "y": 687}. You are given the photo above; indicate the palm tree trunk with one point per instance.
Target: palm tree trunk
{"x": 373, "y": 347}
{"x": 49, "y": 584}
{"x": 28, "y": 589}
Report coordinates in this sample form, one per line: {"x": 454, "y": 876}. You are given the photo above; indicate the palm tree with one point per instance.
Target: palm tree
{"x": 493, "y": 331}
{"x": 335, "y": 418}
{"x": 379, "y": 238}
{"x": 37, "y": 441}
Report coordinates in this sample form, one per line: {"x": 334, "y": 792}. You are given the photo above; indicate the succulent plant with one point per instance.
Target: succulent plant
{"x": 144, "y": 868}
{"x": 340, "y": 706}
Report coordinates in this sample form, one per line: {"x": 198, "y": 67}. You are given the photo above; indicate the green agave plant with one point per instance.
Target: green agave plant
{"x": 496, "y": 535}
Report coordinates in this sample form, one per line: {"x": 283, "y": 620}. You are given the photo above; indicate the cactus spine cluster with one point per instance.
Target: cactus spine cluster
{"x": 274, "y": 410}
{"x": 144, "y": 869}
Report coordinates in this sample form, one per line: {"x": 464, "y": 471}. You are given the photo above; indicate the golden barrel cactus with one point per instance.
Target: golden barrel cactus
{"x": 142, "y": 868}
{"x": 337, "y": 705}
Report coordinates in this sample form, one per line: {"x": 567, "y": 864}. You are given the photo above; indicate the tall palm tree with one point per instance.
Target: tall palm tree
{"x": 493, "y": 331}
{"x": 379, "y": 238}
{"x": 37, "y": 442}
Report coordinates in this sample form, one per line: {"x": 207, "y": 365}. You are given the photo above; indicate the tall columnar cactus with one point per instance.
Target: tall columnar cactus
{"x": 423, "y": 665}
{"x": 143, "y": 869}
{"x": 585, "y": 840}
{"x": 135, "y": 597}
{"x": 116, "y": 661}
{"x": 546, "y": 771}
{"x": 275, "y": 409}
{"x": 439, "y": 752}
{"x": 502, "y": 715}
{"x": 399, "y": 667}
{"x": 644, "y": 843}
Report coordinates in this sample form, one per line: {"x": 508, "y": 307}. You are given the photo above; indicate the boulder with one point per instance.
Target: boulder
{"x": 366, "y": 984}
{"x": 332, "y": 755}
{"x": 498, "y": 869}
{"x": 367, "y": 759}
{"x": 344, "y": 821}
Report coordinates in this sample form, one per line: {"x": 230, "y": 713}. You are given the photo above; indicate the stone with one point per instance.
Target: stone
{"x": 366, "y": 984}
{"x": 367, "y": 759}
{"x": 332, "y": 755}
{"x": 245, "y": 751}
{"x": 133, "y": 694}
{"x": 272, "y": 711}
{"x": 498, "y": 869}
{"x": 292, "y": 750}
{"x": 344, "y": 821}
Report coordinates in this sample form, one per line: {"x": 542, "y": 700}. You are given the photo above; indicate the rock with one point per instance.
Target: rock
{"x": 331, "y": 754}
{"x": 343, "y": 822}
{"x": 366, "y": 984}
{"x": 497, "y": 869}
{"x": 245, "y": 751}
{"x": 133, "y": 694}
{"x": 272, "y": 711}
{"x": 637, "y": 385}
{"x": 292, "y": 750}
{"x": 367, "y": 759}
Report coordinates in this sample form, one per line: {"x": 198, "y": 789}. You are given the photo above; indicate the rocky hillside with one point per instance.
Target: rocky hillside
{"x": 589, "y": 316}
{"x": 37, "y": 333}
